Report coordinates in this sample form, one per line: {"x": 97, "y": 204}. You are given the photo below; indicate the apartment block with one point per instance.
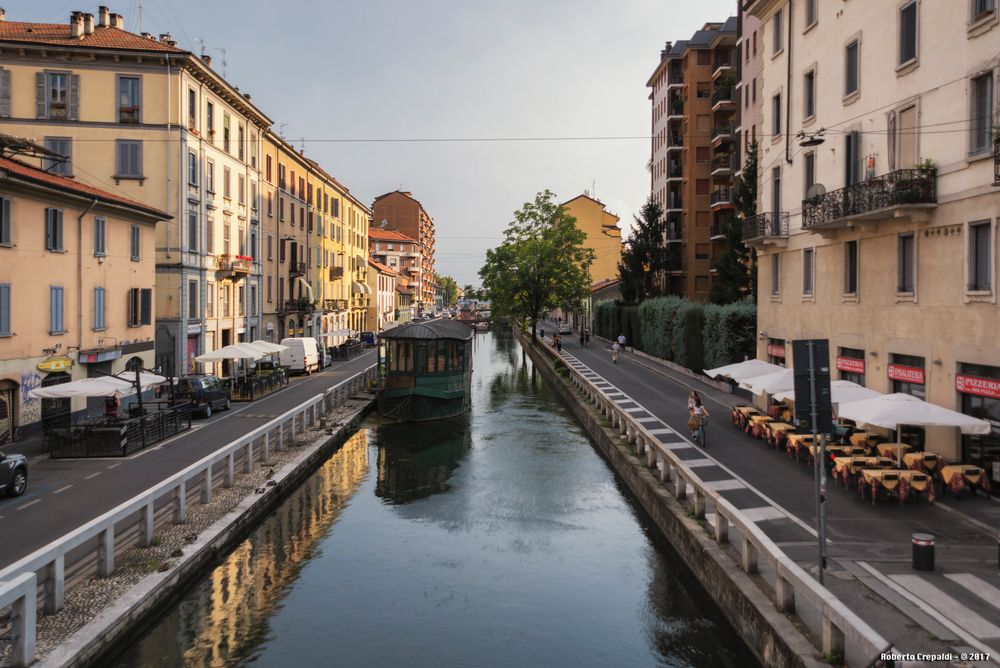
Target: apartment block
{"x": 400, "y": 211}
{"x": 694, "y": 151}
{"x": 879, "y": 199}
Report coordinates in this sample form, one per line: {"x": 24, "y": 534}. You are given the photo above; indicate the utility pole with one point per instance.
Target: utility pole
{"x": 819, "y": 462}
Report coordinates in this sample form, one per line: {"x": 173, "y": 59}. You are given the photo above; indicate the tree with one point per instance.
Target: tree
{"x": 644, "y": 260}
{"x": 541, "y": 264}
{"x": 473, "y": 293}
{"x": 449, "y": 288}
{"x": 736, "y": 268}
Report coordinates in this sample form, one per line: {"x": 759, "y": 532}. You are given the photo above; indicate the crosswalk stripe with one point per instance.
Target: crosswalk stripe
{"x": 722, "y": 485}
{"x": 977, "y": 586}
{"x": 657, "y": 432}
{"x": 762, "y": 514}
{"x": 637, "y": 409}
{"x": 947, "y": 606}
{"x": 647, "y": 419}
{"x": 677, "y": 446}
{"x": 695, "y": 463}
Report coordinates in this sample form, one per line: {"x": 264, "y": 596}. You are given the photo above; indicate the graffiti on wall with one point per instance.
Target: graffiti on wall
{"x": 31, "y": 408}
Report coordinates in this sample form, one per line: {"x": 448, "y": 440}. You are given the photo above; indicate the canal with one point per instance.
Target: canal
{"x": 498, "y": 539}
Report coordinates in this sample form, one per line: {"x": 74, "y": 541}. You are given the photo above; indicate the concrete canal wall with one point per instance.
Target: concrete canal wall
{"x": 774, "y": 636}
{"x": 250, "y": 477}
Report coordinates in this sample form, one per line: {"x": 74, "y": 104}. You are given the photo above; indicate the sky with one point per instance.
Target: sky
{"x": 443, "y": 69}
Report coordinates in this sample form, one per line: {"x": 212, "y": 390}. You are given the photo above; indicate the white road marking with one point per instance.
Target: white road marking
{"x": 948, "y": 607}
{"x": 62, "y": 489}
{"x": 977, "y": 586}
{"x": 28, "y": 504}
{"x": 677, "y": 446}
{"x": 696, "y": 463}
{"x": 114, "y": 465}
{"x": 92, "y": 475}
{"x": 720, "y": 485}
{"x": 660, "y": 432}
{"x": 762, "y": 514}
{"x": 635, "y": 410}
{"x": 647, "y": 419}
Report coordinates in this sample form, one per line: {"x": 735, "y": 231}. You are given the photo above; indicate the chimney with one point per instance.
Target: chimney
{"x": 3, "y": 14}
{"x": 207, "y": 59}
{"x": 88, "y": 24}
{"x": 164, "y": 37}
{"x": 117, "y": 21}
{"x": 103, "y": 16}
{"x": 247, "y": 96}
{"x": 76, "y": 24}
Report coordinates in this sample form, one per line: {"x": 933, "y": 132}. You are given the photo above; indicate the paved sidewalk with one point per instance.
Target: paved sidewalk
{"x": 869, "y": 547}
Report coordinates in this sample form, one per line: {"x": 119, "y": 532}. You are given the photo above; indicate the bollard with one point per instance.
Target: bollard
{"x": 923, "y": 552}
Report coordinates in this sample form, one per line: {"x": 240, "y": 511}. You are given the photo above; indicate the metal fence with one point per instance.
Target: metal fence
{"x": 792, "y": 588}
{"x": 903, "y": 186}
{"x": 43, "y": 576}
{"x": 117, "y": 437}
{"x": 250, "y": 388}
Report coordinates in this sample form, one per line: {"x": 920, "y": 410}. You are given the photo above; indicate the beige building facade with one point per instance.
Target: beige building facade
{"x": 400, "y": 211}
{"x": 878, "y": 209}
{"x": 77, "y": 279}
{"x": 382, "y": 308}
{"x": 604, "y": 236}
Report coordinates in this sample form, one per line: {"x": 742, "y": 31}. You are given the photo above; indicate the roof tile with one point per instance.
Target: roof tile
{"x": 58, "y": 34}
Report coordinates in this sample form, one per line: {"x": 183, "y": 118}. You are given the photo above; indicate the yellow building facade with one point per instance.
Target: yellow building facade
{"x": 604, "y": 236}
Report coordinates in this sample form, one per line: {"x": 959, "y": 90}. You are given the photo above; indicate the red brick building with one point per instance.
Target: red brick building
{"x": 401, "y": 212}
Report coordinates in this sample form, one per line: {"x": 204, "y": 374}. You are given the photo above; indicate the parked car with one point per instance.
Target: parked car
{"x": 368, "y": 338}
{"x": 13, "y": 474}
{"x": 207, "y": 393}
{"x": 565, "y": 328}
{"x": 301, "y": 356}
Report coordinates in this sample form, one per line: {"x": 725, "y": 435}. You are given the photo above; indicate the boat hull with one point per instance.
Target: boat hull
{"x": 421, "y": 408}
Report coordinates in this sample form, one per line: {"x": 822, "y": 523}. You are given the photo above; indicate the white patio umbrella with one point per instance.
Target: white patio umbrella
{"x": 841, "y": 392}
{"x": 889, "y": 411}
{"x": 236, "y": 351}
{"x": 743, "y": 370}
{"x": 268, "y": 346}
{"x": 100, "y": 386}
{"x": 771, "y": 383}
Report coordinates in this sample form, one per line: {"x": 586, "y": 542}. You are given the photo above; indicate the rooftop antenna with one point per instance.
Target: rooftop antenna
{"x": 281, "y": 129}
{"x": 302, "y": 144}
{"x": 140, "y": 17}
{"x": 225, "y": 62}
{"x": 201, "y": 43}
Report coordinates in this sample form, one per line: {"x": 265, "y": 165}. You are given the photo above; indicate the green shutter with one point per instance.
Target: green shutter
{"x": 40, "y": 106}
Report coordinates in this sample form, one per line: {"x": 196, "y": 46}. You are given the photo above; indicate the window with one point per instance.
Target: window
{"x": 776, "y": 25}
{"x": 270, "y": 288}
{"x": 852, "y": 158}
{"x": 776, "y": 189}
{"x": 57, "y": 95}
{"x": 281, "y": 176}
{"x": 140, "y": 307}
{"x": 253, "y": 195}
{"x": 210, "y": 176}
{"x": 128, "y": 159}
{"x": 129, "y": 99}
{"x": 240, "y": 299}
{"x": 135, "y": 245}
{"x": 270, "y": 247}
{"x": 225, "y": 132}
{"x": 6, "y": 236}
{"x": 209, "y": 235}
{"x": 64, "y": 147}
{"x": 239, "y": 144}
{"x": 267, "y": 169}
{"x": 704, "y": 91}
{"x": 906, "y": 267}
{"x": 335, "y": 204}
{"x": 100, "y": 236}
{"x": 226, "y": 237}
{"x": 809, "y": 169}
{"x": 270, "y": 205}
{"x": 753, "y": 89}
{"x": 241, "y": 188}
{"x": 981, "y": 8}
{"x": 4, "y": 309}
{"x": 192, "y": 168}
{"x": 851, "y": 267}
{"x": 775, "y": 274}
{"x": 210, "y": 300}
{"x": 54, "y": 229}
{"x": 193, "y": 230}
{"x": 701, "y": 154}
{"x": 99, "y": 322}
{"x": 210, "y": 118}
{"x": 809, "y": 94}
{"x": 776, "y": 115}
{"x": 982, "y": 112}
{"x": 192, "y": 109}
{"x": 810, "y": 12}
{"x": 227, "y": 186}
{"x": 253, "y": 300}
{"x": 193, "y": 300}
{"x": 851, "y": 62}
{"x": 281, "y": 209}
{"x": 807, "y": 271}
{"x": 908, "y": 134}
{"x": 849, "y": 369}
{"x": 908, "y": 32}
{"x": 56, "y": 325}
{"x": 980, "y": 256}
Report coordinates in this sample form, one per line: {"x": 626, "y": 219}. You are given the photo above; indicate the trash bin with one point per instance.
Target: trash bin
{"x": 923, "y": 552}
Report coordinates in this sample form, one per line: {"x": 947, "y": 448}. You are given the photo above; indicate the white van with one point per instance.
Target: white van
{"x": 301, "y": 356}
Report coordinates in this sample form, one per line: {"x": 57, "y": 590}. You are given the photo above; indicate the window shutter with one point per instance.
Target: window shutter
{"x": 908, "y": 138}
{"x": 58, "y": 223}
{"x": 40, "y": 106}
{"x": 5, "y": 223}
{"x": 74, "y": 97}
{"x": 133, "y": 299}
{"x": 136, "y": 158}
{"x": 4, "y": 93}
{"x": 146, "y": 306}
{"x": 121, "y": 158}
{"x": 48, "y": 229}
{"x": 4, "y": 309}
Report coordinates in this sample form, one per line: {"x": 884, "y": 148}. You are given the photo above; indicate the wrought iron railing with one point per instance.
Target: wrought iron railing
{"x": 766, "y": 225}
{"x": 296, "y": 305}
{"x": 718, "y": 228}
{"x": 674, "y": 170}
{"x": 903, "y": 186}
{"x": 335, "y": 304}
{"x": 297, "y": 269}
{"x": 996, "y": 162}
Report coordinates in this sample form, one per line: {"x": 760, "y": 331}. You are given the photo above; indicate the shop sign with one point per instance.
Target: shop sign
{"x": 907, "y": 374}
{"x": 850, "y": 364}
{"x": 99, "y": 356}
{"x": 983, "y": 387}
{"x": 775, "y": 350}
{"x": 58, "y": 364}
{"x": 995, "y": 429}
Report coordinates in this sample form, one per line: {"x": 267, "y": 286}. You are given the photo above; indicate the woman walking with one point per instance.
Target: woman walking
{"x": 615, "y": 349}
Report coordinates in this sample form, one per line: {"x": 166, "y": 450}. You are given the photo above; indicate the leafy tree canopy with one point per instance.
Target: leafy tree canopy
{"x": 449, "y": 288}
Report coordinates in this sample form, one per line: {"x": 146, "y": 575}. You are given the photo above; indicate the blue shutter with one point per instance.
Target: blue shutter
{"x": 53, "y": 301}
{"x": 5, "y": 309}
{"x": 59, "y": 229}
{"x": 5, "y": 222}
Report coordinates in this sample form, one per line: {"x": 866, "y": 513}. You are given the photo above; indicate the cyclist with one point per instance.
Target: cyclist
{"x": 702, "y": 414}
{"x": 694, "y": 426}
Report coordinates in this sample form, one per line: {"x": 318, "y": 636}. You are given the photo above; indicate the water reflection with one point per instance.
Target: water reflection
{"x": 420, "y": 461}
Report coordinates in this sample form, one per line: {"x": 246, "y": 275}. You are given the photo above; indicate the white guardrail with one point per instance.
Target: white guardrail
{"x": 42, "y": 575}
{"x": 841, "y": 628}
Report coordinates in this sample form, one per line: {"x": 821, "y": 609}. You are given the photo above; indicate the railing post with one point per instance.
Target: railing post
{"x": 106, "y": 551}
{"x": 266, "y": 455}
{"x": 833, "y": 638}
{"x": 650, "y": 456}
{"x": 699, "y": 504}
{"x": 23, "y": 618}
{"x": 180, "y": 503}
{"x": 680, "y": 486}
{"x": 784, "y": 593}
{"x": 640, "y": 445}
{"x": 146, "y": 526}
{"x": 55, "y": 585}
{"x": 206, "y": 485}
{"x": 623, "y": 424}
{"x": 248, "y": 457}
{"x": 721, "y": 527}
{"x": 664, "y": 464}
{"x": 230, "y": 475}
{"x": 281, "y": 435}
{"x": 748, "y": 556}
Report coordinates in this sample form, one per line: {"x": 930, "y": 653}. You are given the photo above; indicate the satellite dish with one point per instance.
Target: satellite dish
{"x": 816, "y": 190}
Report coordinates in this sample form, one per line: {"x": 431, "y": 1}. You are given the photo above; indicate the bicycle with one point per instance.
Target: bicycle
{"x": 699, "y": 434}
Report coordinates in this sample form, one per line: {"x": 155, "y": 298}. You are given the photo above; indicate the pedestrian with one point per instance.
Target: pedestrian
{"x": 558, "y": 343}
{"x": 615, "y": 348}
{"x": 111, "y": 405}
{"x": 582, "y": 339}
{"x": 543, "y": 334}
{"x": 586, "y": 339}
{"x": 621, "y": 341}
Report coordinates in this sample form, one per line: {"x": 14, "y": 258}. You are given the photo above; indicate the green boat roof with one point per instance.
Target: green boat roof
{"x": 433, "y": 330}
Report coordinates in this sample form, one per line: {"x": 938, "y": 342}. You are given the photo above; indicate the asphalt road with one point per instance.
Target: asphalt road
{"x": 64, "y": 494}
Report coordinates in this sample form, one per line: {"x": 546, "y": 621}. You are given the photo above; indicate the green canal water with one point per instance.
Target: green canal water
{"x": 498, "y": 539}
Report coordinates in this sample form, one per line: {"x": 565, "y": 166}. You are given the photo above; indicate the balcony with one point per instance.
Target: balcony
{"x": 234, "y": 266}
{"x": 300, "y": 305}
{"x": 675, "y": 110}
{"x": 128, "y": 114}
{"x": 766, "y": 228}
{"x": 674, "y": 171}
{"x": 675, "y": 232}
{"x": 676, "y": 143}
{"x": 996, "y": 163}
{"x": 724, "y": 164}
{"x": 296, "y": 269}
{"x": 675, "y": 263}
{"x": 724, "y": 65}
{"x": 724, "y": 96}
{"x": 673, "y": 202}
{"x": 335, "y": 304}
{"x": 904, "y": 193}
{"x": 718, "y": 230}
{"x": 676, "y": 80}
{"x": 722, "y": 198}
{"x": 336, "y": 273}
{"x": 724, "y": 133}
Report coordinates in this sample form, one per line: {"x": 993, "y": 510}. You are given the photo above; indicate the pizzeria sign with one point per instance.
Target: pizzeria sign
{"x": 850, "y": 364}
{"x": 983, "y": 387}
{"x": 907, "y": 374}
{"x": 775, "y": 350}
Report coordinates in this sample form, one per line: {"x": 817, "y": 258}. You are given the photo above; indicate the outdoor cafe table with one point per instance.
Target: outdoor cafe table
{"x": 891, "y": 479}
{"x": 894, "y": 450}
{"x": 842, "y": 450}
{"x": 741, "y": 414}
{"x": 775, "y": 431}
{"x": 923, "y": 461}
{"x": 860, "y": 438}
{"x": 794, "y": 442}
{"x": 957, "y": 476}
{"x": 758, "y": 422}
{"x": 845, "y": 467}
